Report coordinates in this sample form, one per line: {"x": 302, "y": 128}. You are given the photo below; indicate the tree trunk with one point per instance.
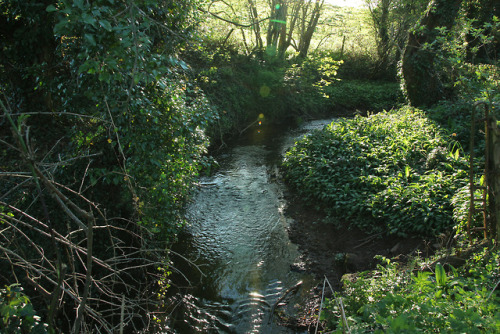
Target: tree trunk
{"x": 306, "y": 36}
{"x": 277, "y": 25}
{"x": 255, "y": 24}
{"x": 384, "y": 47}
{"x": 287, "y": 36}
{"x": 422, "y": 82}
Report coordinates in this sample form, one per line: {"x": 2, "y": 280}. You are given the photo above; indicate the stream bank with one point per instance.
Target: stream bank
{"x": 336, "y": 251}
{"x": 249, "y": 242}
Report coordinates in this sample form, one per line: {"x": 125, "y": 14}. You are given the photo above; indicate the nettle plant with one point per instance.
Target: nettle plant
{"x": 393, "y": 172}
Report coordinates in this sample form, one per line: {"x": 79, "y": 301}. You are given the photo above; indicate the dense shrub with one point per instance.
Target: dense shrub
{"x": 394, "y": 172}
{"x": 17, "y": 313}
{"x": 102, "y": 136}
{"x": 364, "y": 95}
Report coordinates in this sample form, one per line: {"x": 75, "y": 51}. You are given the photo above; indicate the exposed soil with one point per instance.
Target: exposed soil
{"x": 333, "y": 250}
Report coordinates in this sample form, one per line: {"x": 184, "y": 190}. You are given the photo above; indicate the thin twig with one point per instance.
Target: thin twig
{"x": 320, "y": 306}
{"x": 491, "y": 293}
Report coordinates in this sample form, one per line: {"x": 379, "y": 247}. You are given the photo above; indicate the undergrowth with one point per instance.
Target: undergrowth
{"x": 422, "y": 298}
{"x": 393, "y": 172}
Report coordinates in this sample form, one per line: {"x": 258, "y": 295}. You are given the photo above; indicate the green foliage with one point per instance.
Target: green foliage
{"x": 112, "y": 117}
{"x": 242, "y": 87}
{"x": 151, "y": 117}
{"x": 443, "y": 60}
{"x": 394, "y": 171}
{"x": 392, "y": 299}
{"x": 17, "y": 313}
{"x": 467, "y": 78}
{"x": 308, "y": 81}
{"x": 364, "y": 95}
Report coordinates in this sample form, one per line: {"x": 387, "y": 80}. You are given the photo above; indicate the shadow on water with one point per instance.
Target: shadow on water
{"x": 237, "y": 239}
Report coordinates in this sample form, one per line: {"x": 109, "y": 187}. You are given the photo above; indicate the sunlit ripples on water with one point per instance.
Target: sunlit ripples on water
{"x": 237, "y": 236}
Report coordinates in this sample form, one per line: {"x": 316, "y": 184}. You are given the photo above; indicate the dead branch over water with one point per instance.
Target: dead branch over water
{"x": 86, "y": 272}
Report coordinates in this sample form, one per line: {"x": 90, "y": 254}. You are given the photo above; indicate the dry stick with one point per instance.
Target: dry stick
{"x": 293, "y": 288}
{"x": 496, "y": 286}
{"x": 231, "y": 22}
{"x": 88, "y": 278}
{"x": 59, "y": 114}
{"x": 367, "y": 240}
{"x": 341, "y": 306}
{"x": 59, "y": 238}
{"x": 91, "y": 311}
{"x": 55, "y": 295}
{"x": 16, "y": 174}
{"x": 13, "y": 189}
{"x": 39, "y": 250}
{"x": 245, "y": 129}
{"x": 92, "y": 204}
{"x": 122, "y": 314}
{"x": 187, "y": 260}
{"x": 84, "y": 176}
{"x": 320, "y": 306}
{"x": 61, "y": 198}
{"x": 27, "y": 155}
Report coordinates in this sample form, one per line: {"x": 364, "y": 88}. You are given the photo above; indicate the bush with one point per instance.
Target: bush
{"x": 394, "y": 172}
{"x": 17, "y": 313}
{"x": 392, "y": 299}
{"x": 364, "y": 95}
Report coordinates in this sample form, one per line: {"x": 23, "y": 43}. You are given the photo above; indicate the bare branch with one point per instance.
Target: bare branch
{"x": 232, "y": 22}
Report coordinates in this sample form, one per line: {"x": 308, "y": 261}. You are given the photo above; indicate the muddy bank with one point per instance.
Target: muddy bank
{"x": 333, "y": 250}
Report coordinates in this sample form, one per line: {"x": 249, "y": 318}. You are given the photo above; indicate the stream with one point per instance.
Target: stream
{"x": 237, "y": 238}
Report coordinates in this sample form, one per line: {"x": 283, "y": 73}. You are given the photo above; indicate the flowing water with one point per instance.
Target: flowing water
{"x": 237, "y": 238}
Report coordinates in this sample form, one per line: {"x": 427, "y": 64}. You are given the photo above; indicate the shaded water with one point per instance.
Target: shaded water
{"x": 237, "y": 237}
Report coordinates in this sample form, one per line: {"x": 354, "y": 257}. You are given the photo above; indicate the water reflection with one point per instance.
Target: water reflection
{"x": 237, "y": 235}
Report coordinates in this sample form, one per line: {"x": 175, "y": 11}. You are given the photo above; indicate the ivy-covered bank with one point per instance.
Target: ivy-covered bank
{"x": 395, "y": 172}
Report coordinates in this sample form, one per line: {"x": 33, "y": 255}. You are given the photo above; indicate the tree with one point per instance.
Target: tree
{"x": 423, "y": 84}
{"x": 101, "y": 135}
{"x": 291, "y": 23}
{"x": 480, "y": 16}
{"x": 309, "y": 19}
{"x": 392, "y": 21}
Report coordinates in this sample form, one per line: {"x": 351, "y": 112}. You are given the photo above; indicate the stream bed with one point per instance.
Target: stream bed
{"x": 237, "y": 243}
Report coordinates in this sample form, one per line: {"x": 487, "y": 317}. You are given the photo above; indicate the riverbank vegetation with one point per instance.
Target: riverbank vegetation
{"x": 102, "y": 136}
{"x": 406, "y": 172}
{"x": 393, "y": 172}
{"x": 109, "y": 109}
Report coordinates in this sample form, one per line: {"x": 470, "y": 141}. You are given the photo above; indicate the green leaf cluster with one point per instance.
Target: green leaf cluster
{"x": 394, "y": 172}
{"x": 17, "y": 314}
{"x": 393, "y": 299}
{"x": 149, "y": 116}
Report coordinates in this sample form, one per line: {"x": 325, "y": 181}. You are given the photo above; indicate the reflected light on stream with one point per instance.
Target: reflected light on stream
{"x": 237, "y": 235}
